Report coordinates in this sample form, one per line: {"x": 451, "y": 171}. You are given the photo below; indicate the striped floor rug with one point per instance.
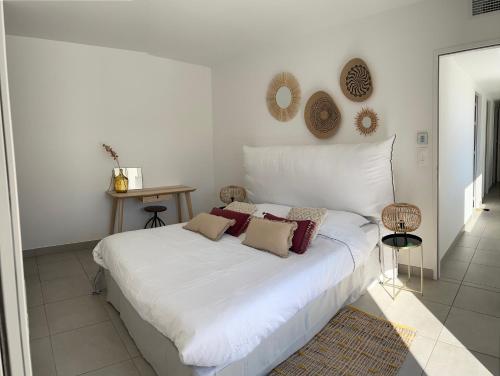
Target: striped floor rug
{"x": 353, "y": 343}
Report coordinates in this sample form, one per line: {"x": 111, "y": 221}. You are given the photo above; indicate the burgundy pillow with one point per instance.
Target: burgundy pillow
{"x": 302, "y": 235}
{"x": 241, "y": 219}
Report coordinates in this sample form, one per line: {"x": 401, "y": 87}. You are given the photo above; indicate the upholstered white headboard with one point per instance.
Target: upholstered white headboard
{"x": 352, "y": 177}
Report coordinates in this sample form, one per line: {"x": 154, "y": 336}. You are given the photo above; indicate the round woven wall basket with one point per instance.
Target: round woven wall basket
{"x": 401, "y": 217}
{"x": 322, "y": 115}
{"x": 232, "y": 193}
{"x": 356, "y": 81}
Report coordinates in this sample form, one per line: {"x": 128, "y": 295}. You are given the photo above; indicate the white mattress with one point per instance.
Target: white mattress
{"x": 218, "y": 300}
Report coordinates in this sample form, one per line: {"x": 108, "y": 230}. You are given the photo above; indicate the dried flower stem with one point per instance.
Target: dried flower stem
{"x": 112, "y": 153}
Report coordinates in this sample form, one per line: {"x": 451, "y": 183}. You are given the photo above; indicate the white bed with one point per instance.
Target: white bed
{"x": 198, "y": 307}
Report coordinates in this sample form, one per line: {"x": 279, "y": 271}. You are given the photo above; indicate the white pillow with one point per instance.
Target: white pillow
{"x": 351, "y": 177}
{"x": 339, "y": 217}
{"x": 277, "y": 210}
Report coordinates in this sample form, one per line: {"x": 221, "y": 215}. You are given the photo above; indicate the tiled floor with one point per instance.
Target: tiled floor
{"x": 73, "y": 332}
{"x": 457, "y": 320}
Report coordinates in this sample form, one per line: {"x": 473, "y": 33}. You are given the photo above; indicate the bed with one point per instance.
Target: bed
{"x": 198, "y": 307}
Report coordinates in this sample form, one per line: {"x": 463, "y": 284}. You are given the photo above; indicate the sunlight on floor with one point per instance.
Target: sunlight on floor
{"x": 435, "y": 348}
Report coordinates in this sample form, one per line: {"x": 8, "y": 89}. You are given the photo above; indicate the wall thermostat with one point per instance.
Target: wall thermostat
{"x": 422, "y": 138}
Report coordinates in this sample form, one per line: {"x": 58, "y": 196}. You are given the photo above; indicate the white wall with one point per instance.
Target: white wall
{"x": 456, "y": 150}
{"x": 399, "y": 48}
{"x": 490, "y": 145}
{"x": 68, "y": 98}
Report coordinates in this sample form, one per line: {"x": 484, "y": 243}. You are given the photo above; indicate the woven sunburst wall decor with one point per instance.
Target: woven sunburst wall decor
{"x": 322, "y": 115}
{"x": 356, "y": 81}
{"x": 289, "y": 82}
{"x": 366, "y": 121}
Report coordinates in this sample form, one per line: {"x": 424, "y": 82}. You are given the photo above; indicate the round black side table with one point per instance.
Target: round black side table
{"x": 398, "y": 242}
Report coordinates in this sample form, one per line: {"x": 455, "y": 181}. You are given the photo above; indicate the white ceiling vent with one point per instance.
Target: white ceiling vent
{"x": 484, "y": 6}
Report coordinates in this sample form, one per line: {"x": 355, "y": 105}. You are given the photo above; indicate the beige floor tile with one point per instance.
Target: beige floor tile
{"x": 483, "y": 275}
{"x": 453, "y": 270}
{"x": 491, "y": 233}
{"x": 75, "y": 313}
{"x": 489, "y": 244}
{"x": 34, "y": 295}
{"x": 90, "y": 268}
{"x": 473, "y": 330}
{"x": 60, "y": 269}
{"x": 475, "y": 228}
{"x": 420, "y": 352}
{"x": 478, "y": 300}
{"x": 486, "y": 258}
{"x": 37, "y": 322}
{"x": 126, "y": 368}
{"x": 54, "y": 257}
{"x": 455, "y": 361}
{"x": 460, "y": 254}
{"x": 436, "y": 291}
{"x": 87, "y": 349}
{"x": 374, "y": 301}
{"x": 426, "y": 317}
{"x": 144, "y": 367}
{"x": 65, "y": 288}
{"x": 30, "y": 266}
{"x": 84, "y": 255}
{"x": 112, "y": 312}
{"x": 126, "y": 338}
{"x": 478, "y": 286}
{"x": 467, "y": 240}
{"x": 42, "y": 361}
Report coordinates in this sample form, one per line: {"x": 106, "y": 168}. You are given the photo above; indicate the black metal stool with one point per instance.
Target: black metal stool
{"x": 155, "y": 221}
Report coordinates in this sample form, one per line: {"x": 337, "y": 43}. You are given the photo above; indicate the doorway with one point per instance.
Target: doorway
{"x": 468, "y": 86}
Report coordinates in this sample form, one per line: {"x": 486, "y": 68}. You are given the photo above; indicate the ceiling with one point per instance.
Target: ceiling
{"x": 483, "y": 66}
{"x": 198, "y": 31}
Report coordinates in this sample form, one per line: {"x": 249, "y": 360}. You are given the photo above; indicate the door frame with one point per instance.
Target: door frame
{"x": 15, "y": 347}
{"x": 435, "y": 127}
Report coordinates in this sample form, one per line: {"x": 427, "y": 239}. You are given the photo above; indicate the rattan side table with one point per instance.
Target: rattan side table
{"x": 397, "y": 242}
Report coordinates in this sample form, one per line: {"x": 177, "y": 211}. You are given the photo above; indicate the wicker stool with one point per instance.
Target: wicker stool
{"x": 155, "y": 221}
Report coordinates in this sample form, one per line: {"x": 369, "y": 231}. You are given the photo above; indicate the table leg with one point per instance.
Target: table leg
{"x": 394, "y": 265}
{"x": 120, "y": 215}
{"x": 189, "y": 205}
{"x": 113, "y": 217}
{"x": 421, "y": 269}
{"x": 178, "y": 205}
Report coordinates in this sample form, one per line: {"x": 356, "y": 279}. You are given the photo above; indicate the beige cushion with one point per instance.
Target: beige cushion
{"x": 209, "y": 225}
{"x": 272, "y": 236}
{"x": 242, "y": 207}
{"x": 317, "y": 215}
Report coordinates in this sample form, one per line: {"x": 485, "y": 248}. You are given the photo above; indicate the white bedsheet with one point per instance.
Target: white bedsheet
{"x": 217, "y": 300}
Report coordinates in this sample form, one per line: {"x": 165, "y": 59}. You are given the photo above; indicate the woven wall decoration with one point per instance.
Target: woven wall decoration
{"x": 286, "y": 85}
{"x": 356, "y": 81}
{"x": 322, "y": 115}
{"x": 366, "y": 121}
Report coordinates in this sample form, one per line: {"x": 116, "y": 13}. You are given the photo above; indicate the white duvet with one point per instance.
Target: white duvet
{"x": 218, "y": 300}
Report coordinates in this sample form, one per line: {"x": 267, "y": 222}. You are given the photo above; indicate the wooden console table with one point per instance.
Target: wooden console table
{"x": 147, "y": 195}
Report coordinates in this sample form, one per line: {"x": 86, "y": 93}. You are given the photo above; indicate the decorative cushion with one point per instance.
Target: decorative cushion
{"x": 242, "y": 207}
{"x": 271, "y": 236}
{"x": 241, "y": 220}
{"x": 210, "y": 226}
{"x": 302, "y": 235}
{"x": 317, "y": 215}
